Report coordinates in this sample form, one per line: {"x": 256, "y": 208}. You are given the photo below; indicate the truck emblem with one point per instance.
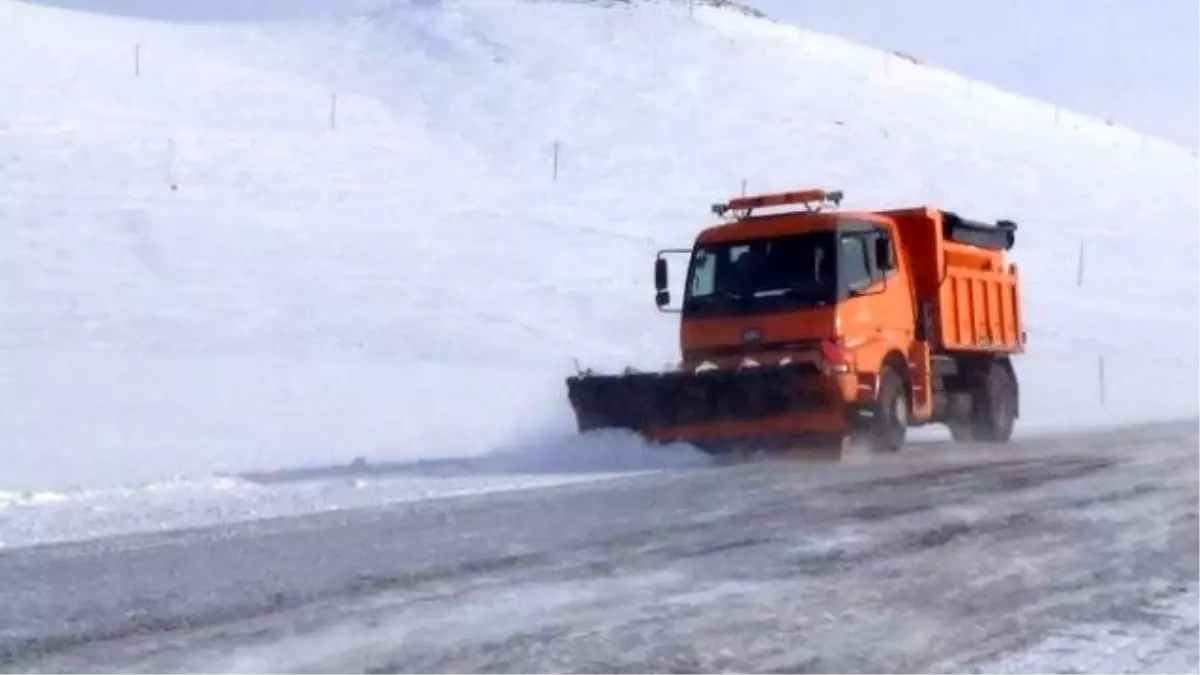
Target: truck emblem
{"x": 751, "y": 335}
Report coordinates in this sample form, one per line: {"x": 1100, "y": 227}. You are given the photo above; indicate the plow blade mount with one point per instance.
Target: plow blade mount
{"x": 687, "y": 405}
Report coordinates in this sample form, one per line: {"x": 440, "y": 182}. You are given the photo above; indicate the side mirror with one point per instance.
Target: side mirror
{"x": 884, "y": 257}
{"x": 662, "y": 297}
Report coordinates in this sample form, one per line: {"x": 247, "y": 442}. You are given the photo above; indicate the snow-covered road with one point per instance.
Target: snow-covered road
{"x": 1054, "y": 554}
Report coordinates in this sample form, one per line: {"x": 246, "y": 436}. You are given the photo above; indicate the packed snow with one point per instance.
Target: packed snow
{"x": 43, "y": 517}
{"x": 254, "y": 236}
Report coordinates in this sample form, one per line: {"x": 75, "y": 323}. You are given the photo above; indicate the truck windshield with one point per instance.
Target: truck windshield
{"x": 763, "y": 275}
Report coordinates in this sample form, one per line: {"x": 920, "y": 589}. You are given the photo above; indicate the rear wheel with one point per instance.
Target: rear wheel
{"x": 889, "y": 422}
{"x": 961, "y": 433}
{"x": 995, "y": 410}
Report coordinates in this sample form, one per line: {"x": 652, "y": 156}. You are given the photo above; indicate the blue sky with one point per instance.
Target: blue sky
{"x": 1135, "y": 62}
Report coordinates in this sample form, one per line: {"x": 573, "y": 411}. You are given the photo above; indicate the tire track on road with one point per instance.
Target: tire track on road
{"x": 756, "y": 524}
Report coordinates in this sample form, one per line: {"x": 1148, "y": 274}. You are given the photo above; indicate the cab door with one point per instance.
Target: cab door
{"x": 875, "y": 303}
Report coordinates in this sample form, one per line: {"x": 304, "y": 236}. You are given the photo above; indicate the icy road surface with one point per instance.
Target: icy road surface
{"x": 1060, "y": 554}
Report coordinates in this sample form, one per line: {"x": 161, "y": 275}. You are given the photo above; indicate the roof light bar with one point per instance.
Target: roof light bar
{"x": 813, "y": 200}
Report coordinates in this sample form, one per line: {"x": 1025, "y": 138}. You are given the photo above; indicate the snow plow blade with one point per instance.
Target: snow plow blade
{"x": 715, "y": 410}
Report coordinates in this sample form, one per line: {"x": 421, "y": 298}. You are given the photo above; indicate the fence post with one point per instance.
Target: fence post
{"x": 555, "y": 167}
{"x": 169, "y": 165}
{"x": 1100, "y": 372}
{"x": 333, "y": 111}
{"x": 743, "y": 187}
{"x": 1079, "y": 271}
{"x": 137, "y": 60}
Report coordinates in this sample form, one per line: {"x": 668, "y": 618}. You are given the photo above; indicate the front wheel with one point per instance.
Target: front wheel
{"x": 889, "y": 423}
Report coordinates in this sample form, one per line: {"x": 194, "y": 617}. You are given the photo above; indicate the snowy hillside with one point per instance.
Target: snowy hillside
{"x": 254, "y": 235}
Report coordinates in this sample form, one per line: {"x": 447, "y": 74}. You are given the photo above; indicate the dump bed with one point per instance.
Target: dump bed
{"x": 963, "y": 280}
{"x": 977, "y": 306}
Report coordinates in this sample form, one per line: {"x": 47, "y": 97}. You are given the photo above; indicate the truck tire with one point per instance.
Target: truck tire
{"x": 889, "y": 422}
{"x": 961, "y": 433}
{"x": 995, "y": 405}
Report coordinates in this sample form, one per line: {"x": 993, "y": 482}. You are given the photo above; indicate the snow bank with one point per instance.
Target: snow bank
{"x": 46, "y": 517}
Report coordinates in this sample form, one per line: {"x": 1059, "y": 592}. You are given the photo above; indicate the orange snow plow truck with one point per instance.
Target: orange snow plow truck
{"x": 805, "y": 324}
